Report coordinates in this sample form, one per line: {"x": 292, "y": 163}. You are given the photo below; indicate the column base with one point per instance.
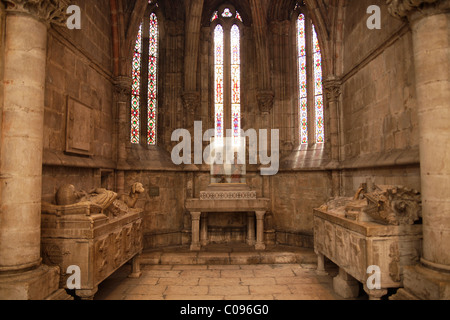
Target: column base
{"x": 423, "y": 283}
{"x": 37, "y": 284}
{"x": 260, "y": 246}
{"x": 195, "y": 247}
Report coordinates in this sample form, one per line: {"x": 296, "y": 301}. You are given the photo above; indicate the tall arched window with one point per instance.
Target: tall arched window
{"x": 310, "y": 83}
{"x": 144, "y": 95}
{"x": 227, "y": 26}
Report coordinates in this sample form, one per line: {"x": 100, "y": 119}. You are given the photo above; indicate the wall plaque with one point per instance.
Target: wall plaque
{"x": 79, "y": 128}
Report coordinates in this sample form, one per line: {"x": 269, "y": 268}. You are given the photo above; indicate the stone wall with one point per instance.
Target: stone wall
{"x": 379, "y": 117}
{"x": 79, "y": 64}
{"x": 2, "y": 50}
{"x": 163, "y": 204}
{"x": 378, "y": 129}
{"x": 294, "y": 196}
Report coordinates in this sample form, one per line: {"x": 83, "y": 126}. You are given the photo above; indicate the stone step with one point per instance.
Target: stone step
{"x": 228, "y": 255}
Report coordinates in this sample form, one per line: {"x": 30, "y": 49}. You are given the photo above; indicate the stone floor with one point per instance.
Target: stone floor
{"x": 223, "y": 273}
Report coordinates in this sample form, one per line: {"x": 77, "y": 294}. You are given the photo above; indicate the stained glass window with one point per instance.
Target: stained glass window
{"x": 227, "y": 13}
{"x": 136, "y": 89}
{"x": 309, "y": 59}
{"x": 227, "y": 74}
{"x": 238, "y": 16}
{"x": 318, "y": 90}
{"x": 235, "y": 81}
{"x": 219, "y": 80}
{"x": 139, "y": 81}
{"x": 152, "y": 108}
{"x": 302, "y": 72}
{"x": 215, "y": 16}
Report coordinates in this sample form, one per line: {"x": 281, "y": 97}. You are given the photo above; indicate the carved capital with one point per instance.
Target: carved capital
{"x": 122, "y": 88}
{"x": 332, "y": 89}
{"x": 401, "y": 8}
{"x": 49, "y": 11}
{"x": 265, "y": 101}
{"x": 191, "y": 101}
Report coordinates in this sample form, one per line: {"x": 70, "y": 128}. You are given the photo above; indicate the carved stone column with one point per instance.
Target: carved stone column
{"x": 191, "y": 101}
{"x": 195, "y": 242}
{"x": 265, "y": 103}
{"x": 251, "y": 229}
{"x": 204, "y": 229}
{"x": 429, "y": 22}
{"x": 332, "y": 87}
{"x": 260, "y": 230}
{"x": 22, "y": 276}
{"x": 122, "y": 93}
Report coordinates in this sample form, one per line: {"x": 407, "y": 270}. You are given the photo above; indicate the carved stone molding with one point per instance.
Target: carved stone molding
{"x": 332, "y": 89}
{"x": 227, "y": 195}
{"x": 401, "y": 8}
{"x": 49, "y": 11}
{"x": 191, "y": 101}
{"x": 265, "y": 101}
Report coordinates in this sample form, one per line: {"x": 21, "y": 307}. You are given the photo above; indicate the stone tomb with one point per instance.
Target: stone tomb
{"x": 381, "y": 230}
{"x": 97, "y": 233}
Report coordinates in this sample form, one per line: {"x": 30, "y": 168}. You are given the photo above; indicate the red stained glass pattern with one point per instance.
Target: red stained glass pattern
{"x": 235, "y": 81}
{"x": 302, "y": 72}
{"x": 136, "y": 89}
{"x": 152, "y": 107}
{"x": 219, "y": 80}
{"x": 318, "y": 89}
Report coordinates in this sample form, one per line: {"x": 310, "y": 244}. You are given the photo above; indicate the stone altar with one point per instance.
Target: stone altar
{"x": 97, "y": 232}
{"x": 223, "y": 198}
{"x": 378, "y": 228}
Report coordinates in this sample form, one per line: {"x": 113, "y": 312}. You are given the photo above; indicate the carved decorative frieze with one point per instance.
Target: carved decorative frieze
{"x": 50, "y": 11}
{"x": 227, "y": 195}
{"x": 401, "y": 8}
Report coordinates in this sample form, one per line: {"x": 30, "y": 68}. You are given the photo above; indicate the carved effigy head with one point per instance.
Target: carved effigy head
{"x": 66, "y": 195}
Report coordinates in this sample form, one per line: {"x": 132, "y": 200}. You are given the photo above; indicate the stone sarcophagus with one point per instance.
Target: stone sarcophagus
{"x": 92, "y": 234}
{"x": 370, "y": 237}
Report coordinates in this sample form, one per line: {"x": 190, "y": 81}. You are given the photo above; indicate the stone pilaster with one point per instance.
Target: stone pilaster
{"x": 22, "y": 276}
{"x": 332, "y": 88}
{"x": 429, "y": 22}
{"x": 122, "y": 94}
